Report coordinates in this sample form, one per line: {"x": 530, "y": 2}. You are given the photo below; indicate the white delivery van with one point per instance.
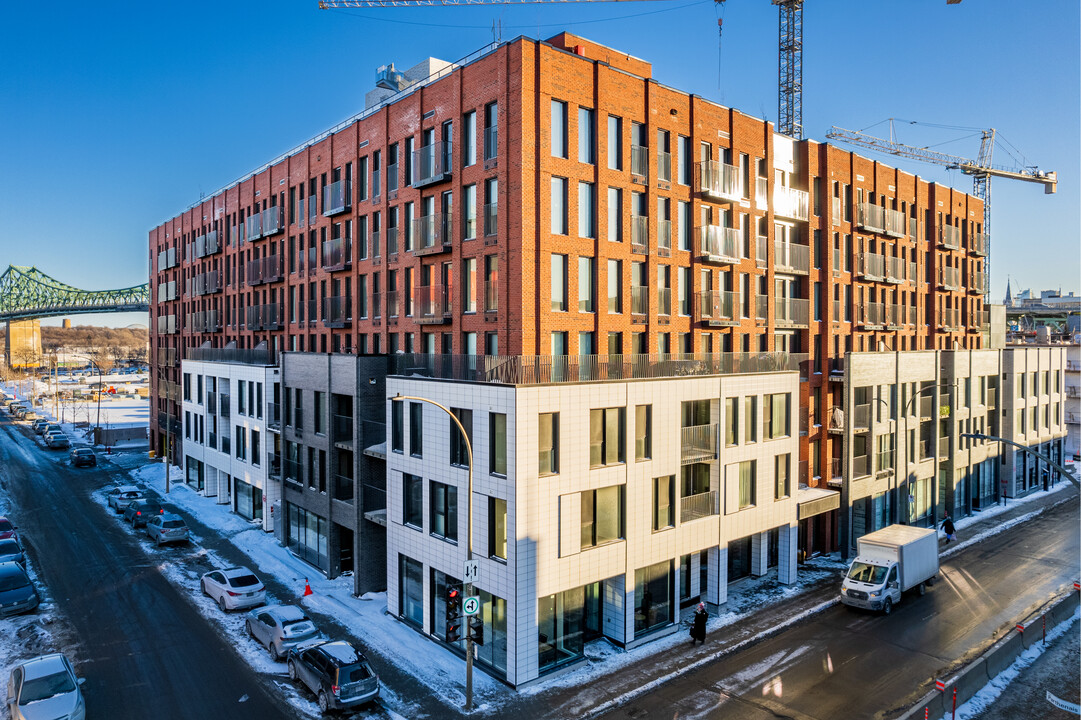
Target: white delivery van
{"x": 889, "y": 562}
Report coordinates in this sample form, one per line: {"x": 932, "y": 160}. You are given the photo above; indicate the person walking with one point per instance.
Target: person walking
{"x": 698, "y": 629}
{"x": 948, "y": 528}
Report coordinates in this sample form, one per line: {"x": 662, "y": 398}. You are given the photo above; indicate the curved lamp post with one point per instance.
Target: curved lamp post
{"x": 469, "y": 536}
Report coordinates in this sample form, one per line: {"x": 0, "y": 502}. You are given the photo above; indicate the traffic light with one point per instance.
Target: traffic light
{"x": 454, "y": 613}
{"x": 476, "y": 629}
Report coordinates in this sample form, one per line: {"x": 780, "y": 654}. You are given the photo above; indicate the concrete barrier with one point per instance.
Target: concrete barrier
{"x": 969, "y": 681}
{"x": 1002, "y": 654}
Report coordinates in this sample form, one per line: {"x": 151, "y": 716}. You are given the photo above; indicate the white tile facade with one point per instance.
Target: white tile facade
{"x": 544, "y": 527}
{"x": 222, "y": 468}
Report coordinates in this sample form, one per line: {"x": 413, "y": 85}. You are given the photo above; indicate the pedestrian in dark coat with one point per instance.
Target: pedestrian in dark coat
{"x": 698, "y": 629}
{"x": 948, "y": 528}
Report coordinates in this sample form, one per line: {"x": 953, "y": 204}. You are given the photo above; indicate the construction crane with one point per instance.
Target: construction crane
{"x": 980, "y": 169}
{"x": 789, "y": 46}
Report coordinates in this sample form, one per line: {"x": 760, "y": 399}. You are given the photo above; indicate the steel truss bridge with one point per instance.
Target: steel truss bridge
{"x": 27, "y": 293}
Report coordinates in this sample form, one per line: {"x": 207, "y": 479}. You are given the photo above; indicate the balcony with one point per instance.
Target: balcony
{"x": 791, "y": 313}
{"x": 392, "y": 243}
{"x": 491, "y": 220}
{"x": 291, "y": 471}
{"x": 664, "y": 167}
{"x": 271, "y": 268}
{"x": 977, "y": 245}
{"x": 975, "y": 283}
{"x": 871, "y": 217}
{"x": 761, "y": 251}
{"x": 392, "y": 303}
{"x": 716, "y": 309}
{"x": 861, "y": 466}
{"x": 895, "y": 270}
{"x": 254, "y": 227}
{"x": 720, "y": 181}
{"x": 274, "y": 466}
{"x": 791, "y": 258}
{"x": 790, "y": 203}
{"x": 895, "y": 223}
{"x": 761, "y": 192}
{"x": 761, "y": 310}
{"x": 837, "y": 420}
{"x": 884, "y": 462}
{"x": 949, "y": 320}
{"x": 871, "y": 316}
{"x": 273, "y": 221}
{"x": 274, "y": 416}
{"x": 895, "y": 317}
{"x": 1073, "y": 418}
{"x": 255, "y": 272}
{"x": 336, "y": 198}
{"x": 207, "y": 244}
{"x": 1073, "y": 366}
{"x": 871, "y": 267}
{"x": 1073, "y": 391}
{"x": 639, "y": 162}
{"x": 333, "y": 255}
{"x": 433, "y": 305}
{"x": 337, "y": 312}
{"x": 224, "y": 406}
{"x": 640, "y": 234}
{"x": 949, "y": 278}
{"x": 432, "y": 234}
{"x": 432, "y": 164}
{"x": 700, "y": 505}
{"x": 342, "y": 426}
{"x": 664, "y": 238}
{"x": 949, "y": 237}
{"x": 861, "y": 418}
{"x": 639, "y": 303}
{"x": 718, "y": 244}
{"x": 698, "y": 443}
{"x": 392, "y": 180}
{"x": 491, "y": 142}
{"x": 664, "y": 301}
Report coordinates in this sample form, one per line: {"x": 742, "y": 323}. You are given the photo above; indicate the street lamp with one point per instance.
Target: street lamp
{"x": 904, "y": 419}
{"x": 469, "y": 539}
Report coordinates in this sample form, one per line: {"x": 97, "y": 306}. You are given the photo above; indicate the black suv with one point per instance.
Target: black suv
{"x": 336, "y": 672}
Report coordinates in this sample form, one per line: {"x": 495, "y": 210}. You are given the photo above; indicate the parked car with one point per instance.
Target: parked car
{"x": 39, "y": 425}
{"x": 17, "y": 592}
{"x": 336, "y": 672}
{"x": 7, "y": 529}
{"x": 57, "y": 441}
{"x": 280, "y": 628}
{"x": 52, "y": 427}
{"x": 234, "y": 588}
{"x": 20, "y": 412}
{"x": 139, "y": 511}
{"x": 82, "y": 456}
{"x": 12, "y": 551}
{"x": 45, "y": 688}
{"x": 123, "y": 495}
{"x": 166, "y": 528}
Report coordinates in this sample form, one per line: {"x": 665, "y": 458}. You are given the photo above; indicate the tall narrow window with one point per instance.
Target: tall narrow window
{"x": 559, "y": 283}
{"x": 548, "y": 442}
{"x": 469, "y": 139}
{"x": 491, "y": 133}
{"x": 615, "y": 143}
{"x": 587, "y": 211}
{"x": 416, "y": 429}
{"x": 497, "y": 443}
{"x": 663, "y": 502}
{"x": 615, "y": 286}
{"x": 747, "y": 474}
{"x": 585, "y": 285}
{"x": 615, "y": 214}
{"x": 497, "y": 528}
{"x": 559, "y": 206}
{"x": 559, "y": 129}
{"x": 643, "y": 432}
{"x": 459, "y": 454}
{"x": 443, "y": 522}
{"x": 586, "y": 141}
{"x": 782, "y": 488}
{"x": 397, "y": 425}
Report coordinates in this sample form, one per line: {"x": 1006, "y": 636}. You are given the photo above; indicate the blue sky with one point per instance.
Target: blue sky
{"x": 116, "y": 118}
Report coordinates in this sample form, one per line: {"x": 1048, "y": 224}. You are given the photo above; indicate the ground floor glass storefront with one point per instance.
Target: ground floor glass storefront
{"x": 307, "y": 538}
{"x": 566, "y": 620}
{"x": 193, "y": 472}
{"x": 654, "y": 605}
{"x": 411, "y": 590}
{"x": 249, "y": 501}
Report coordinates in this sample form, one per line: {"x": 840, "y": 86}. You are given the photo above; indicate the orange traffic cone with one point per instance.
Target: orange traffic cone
{"x": 307, "y": 588}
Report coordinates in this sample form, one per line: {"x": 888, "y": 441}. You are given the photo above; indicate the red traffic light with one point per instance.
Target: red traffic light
{"x": 452, "y": 593}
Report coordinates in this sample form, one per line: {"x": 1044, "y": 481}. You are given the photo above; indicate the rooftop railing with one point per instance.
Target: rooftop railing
{"x": 555, "y": 369}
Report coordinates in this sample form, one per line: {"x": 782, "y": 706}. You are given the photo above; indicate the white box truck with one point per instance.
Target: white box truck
{"x": 889, "y": 562}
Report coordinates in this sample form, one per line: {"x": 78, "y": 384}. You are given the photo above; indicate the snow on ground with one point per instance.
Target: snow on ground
{"x": 76, "y": 416}
{"x": 990, "y": 692}
{"x": 183, "y": 566}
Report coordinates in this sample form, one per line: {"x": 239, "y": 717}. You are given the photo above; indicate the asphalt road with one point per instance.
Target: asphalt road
{"x": 851, "y": 664}
{"x": 143, "y": 648}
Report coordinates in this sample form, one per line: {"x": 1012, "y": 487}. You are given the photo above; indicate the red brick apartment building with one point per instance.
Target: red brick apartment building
{"x": 485, "y": 209}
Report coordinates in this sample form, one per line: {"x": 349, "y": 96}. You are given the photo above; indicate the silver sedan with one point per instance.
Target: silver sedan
{"x": 279, "y": 628}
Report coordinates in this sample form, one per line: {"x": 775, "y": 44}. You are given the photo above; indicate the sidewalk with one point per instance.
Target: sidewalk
{"x": 424, "y": 678}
